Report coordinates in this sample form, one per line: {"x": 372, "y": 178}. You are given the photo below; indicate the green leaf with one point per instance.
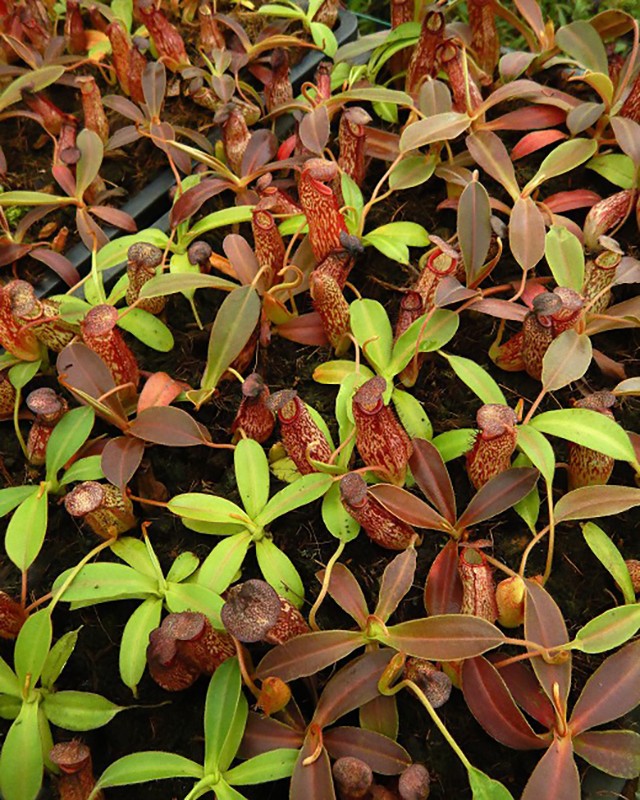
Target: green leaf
{"x": 102, "y": 582}
{"x": 485, "y": 788}
{"x": 610, "y": 557}
{"x": 338, "y": 521}
{"x": 79, "y": 711}
{"x": 32, "y": 647}
{"x": 219, "y": 219}
{"x": 588, "y": 428}
{"x": 26, "y": 530}
{"x": 608, "y": 630}
{"x": 529, "y": 507}
{"x": 135, "y": 638}
{"x": 183, "y": 566}
{"x": 538, "y": 450}
{"x": 150, "y": 765}
{"x": 394, "y": 238}
{"x": 271, "y": 766}
{"x": 252, "y": 475}
{"x": 57, "y": 658}
{"x": 171, "y": 283}
{"x": 324, "y": 37}
{"x": 207, "y": 508}
{"x": 123, "y": 10}
{"x": 438, "y": 128}
{"x": 9, "y": 683}
{"x": 135, "y": 553}
{"x": 21, "y": 761}
{"x": 67, "y": 438}
{"x": 616, "y": 168}
{"x": 566, "y": 360}
{"x": 564, "y": 158}
{"x": 194, "y": 597}
{"x": 10, "y": 706}
{"x": 234, "y": 323}
{"x": 84, "y": 469}
{"x": 439, "y": 330}
{"x": 148, "y": 329}
{"x": 453, "y": 444}
{"x": 221, "y": 566}
{"x": 12, "y": 497}
{"x": 412, "y": 171}
{"x": 91, "y": 152}
{"x": 477, "y": 379}
{"x": 115, "y": 252}
{"x": 36, "y": 80}
{"x": 24, "y": 198}
{"x": 373, "y": 332}
{"x": 351, "y": 194}
{"x": 303, "y": 491}
{"x": 581, "y": 41}
{"x": 279, "y": 572}
{"x": 565, "y": 257}
{"x": 412, "y": 415}
{"x": 22, "y": 373}
{"x": 225, "y": 715}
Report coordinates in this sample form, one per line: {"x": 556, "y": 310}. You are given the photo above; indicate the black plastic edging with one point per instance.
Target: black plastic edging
{"x": 150, "y": 207}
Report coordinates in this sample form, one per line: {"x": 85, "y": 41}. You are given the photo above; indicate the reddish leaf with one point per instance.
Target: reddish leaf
{"x": 262, "y": 147}
{"x": 408, "y": 507}
{"x": 241, "y": 256}
{"x": 92, "y": 235}
{"x": 526, "y": 233}
{"x": 124, "y": 107}
{"x": 474, "y": 230}
{"x": 528, "y": 118}
{"x": 555, "y": 776}
{"x": 351, "y": 687}
{"x": 192, "y": 200}
{"x": 497, "y": 495}
{"x": 305, "y": 329}
{"x": 65, "y": 179}
{"x": 159, "y": 390}
{"x": 169, "y": 426}
{"x": 384, "y": 145}
{"x": 588, "y": 502}
{"x": 612, "y": 691}
{"x": 614, "y": 752}
{"x": 431, "y": 475}
{"x": 58, "y": 263}
{"x": 443, "y": 589}
{"x": 115, "y": 217}
{"x": 502, "y": 309}
{"x": 535, "y": 141}
{"x": 315, "y": 779}
{"x": 492, "y": 705}
{"x": 83, "y": 369}
{"x": 525, "y": 690}
{"x": 445, "y": 638}
{"x": 263, "y": 734}
{"x": 346, "y": 591}
{"x": 397, "y": 579}
{"x": 121, "y": 457}
{"x": 11, "y": 251}
{"x": 383, "y": 755}
{"x": 307, "y": 654}
{"x": 123, "y": 137}
{"x": 314, "y": 130}
{"x": 572, "y": 199}
{"x": 544, "y": 624}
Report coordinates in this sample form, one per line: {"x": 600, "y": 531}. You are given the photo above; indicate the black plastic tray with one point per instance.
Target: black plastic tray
{"x": 150, "y": 207}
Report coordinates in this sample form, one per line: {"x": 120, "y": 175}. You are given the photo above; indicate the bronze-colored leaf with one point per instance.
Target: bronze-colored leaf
{"x": 431, "y": 475}
{"x": 120, "y": 459}
{"x": 445, "y": 638}
{"x": 443, "y": 589}
{"x": 170, "y": 426}
{"x": 383, "y": 755}
{"x": 497, "y": 495}
{"x": 346, "y": 591}
{"x": 555, "y": 776}
{"x": 397, "y": 579}
{"x": 408, "y": 507}
{"x": 307, "y": 654}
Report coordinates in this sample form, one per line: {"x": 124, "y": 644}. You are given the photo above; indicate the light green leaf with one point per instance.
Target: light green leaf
{"x": 588, "y": 428}
{"x": 135, "y": 553}
{"x": 271, "y": 766}
{"x": 529, "y": 507}
{"x": 79, "y": 711}
{"x": 477, "y": 379}
{"x": 452, "y": 444}
{"x": 564, "y": 158}
{"x": 485, "y": 788}
{"x": 194, "y": 597}
{"x": 371, "y": 327}
{"x": 351, "y": 193}
{"x": 225, "y": 715}
{"x": 67, "y": 438}
{"x": 565, "y": 257}
{"x": 22, "y": 373}
{"x": 338, "y": 521}
{"x": 12, "y": 497}
{"x": 219, "y": 219}
{"x": 36, "y": 80}
{"x": 566, "y": 360}
{"x": 538, "y": 450}
{"x": 171, "y": 283}
{"x": 57, "y": 658}
{"x": 85, "y": 469}
{"x": 135, "y": 638}
{"x": 412, "y": 171}
{"x": 183, "y": 566}
{"x": 26, "y": 530}
{"x": 207, "y": 508}
{"x": 616, "y": 168}
{"x": 433, "y": 335}
{"x": 252, "y": 475}
{"x": 32, "y": 647}
{"x": 324, "y": 37}
{"x": 412, "y": 415}
{"x": 9, "y": 683}
{"x": 303, "y": 491}
{"x": 279, "y": 572}
{"x": 148, "y": 329}
{"x": 102, "y": 582}
{"x": 394, "y": 238}
{"x": 610, "y": 557}
{"x": 221, "y": 566}
{"x": 438, "y": 128}
{"x": 608, "y": 630}
{"x": 151, "y": 765}
{"x": 21, "y": 761}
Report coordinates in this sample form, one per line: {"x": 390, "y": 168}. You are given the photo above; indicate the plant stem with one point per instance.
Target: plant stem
{"x": 535, "y": 405}
{"x": 552, "y": 536}
{"x": 16, "y": 423}
{"x": 529, "y": 548}
{"x": 325, "y": 586}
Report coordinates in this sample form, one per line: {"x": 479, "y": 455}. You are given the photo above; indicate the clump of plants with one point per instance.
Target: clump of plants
{"x": 320, "y": 471}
